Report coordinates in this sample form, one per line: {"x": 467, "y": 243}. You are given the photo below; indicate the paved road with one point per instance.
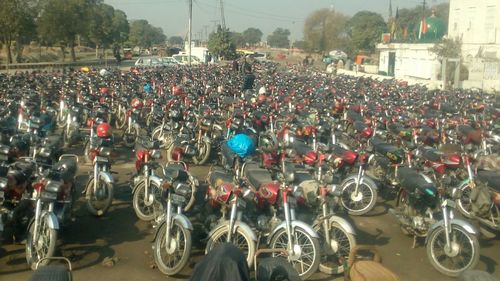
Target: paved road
{"x": 89, "y": 240}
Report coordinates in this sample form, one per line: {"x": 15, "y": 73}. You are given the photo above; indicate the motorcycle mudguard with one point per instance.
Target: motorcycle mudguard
{"x": 152, "y": 179}
{"x": 342, "y": 222}
{"x": 295, "y": 224}
{"x": 108, "y": 178}
{"x": 51, "y": 220}
{"x": 237, "y": 224}
{"x": 182, "y": 219}
{"x": 465, "y": 225}
{"x": 364, "y": 178}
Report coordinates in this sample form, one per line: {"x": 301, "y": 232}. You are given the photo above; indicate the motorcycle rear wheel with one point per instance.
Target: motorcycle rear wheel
{"x": 130, "y": 136}
{"x": 203, "y": 153}
{"x": 171, "y": 264}
{"x": 98, "y": 207}
{"x": 44, "y": 247}
{"x": 438, "y": 257}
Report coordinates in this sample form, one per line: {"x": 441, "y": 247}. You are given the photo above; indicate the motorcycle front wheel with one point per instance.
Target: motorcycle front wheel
{"x": 306, "y": 247}
{"x": 171, "y": 259}
{"x": 363, "y": 201}
{"x": 144, "y": 212}
{"x": 121, "y": 119}
{"x": 335, "y": 251}
{"x": 464, "y": 204}
{"x": 462, "y": 255}
{"x": 98, "y": 203}
{"x": 44, "y": 247}
{"x": 203, "y": 153}
{"x": 240, "y": 239}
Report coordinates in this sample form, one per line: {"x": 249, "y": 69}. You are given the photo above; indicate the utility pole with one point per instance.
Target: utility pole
{"x": 190, "y": 30}
{"x": 223, "y": 20}
{"x": 206, "y": 32}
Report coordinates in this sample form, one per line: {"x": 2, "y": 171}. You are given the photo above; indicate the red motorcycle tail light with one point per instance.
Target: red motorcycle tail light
{"x": 224, "y": 192}
{"x": 310, "y": 157}
{"x": 367, "y": 132}
{"x": 176, "y": 154}
{"x": 39, "y": 186}
{"x": 349, "y": 157}
{"x": 452, "y": 160}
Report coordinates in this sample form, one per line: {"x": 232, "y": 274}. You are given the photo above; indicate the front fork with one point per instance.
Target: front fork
{"x": 96, "y": 177}
{"x": 168, "y": 221}
{"x": 289, "y": 229}
{"x": 447, "y": 227}
{"x": 326, "y": 223}
{"x": 232, "y": 219}
{"x": 38, "y": 211}
{"x": 359, "y": 178}
{"x": 148, "y": 200}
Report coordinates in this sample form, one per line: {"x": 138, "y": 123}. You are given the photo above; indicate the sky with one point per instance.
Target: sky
{"x": 266, "y": 15}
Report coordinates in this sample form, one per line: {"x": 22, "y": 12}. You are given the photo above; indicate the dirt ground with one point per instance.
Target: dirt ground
{"x": 88, "y": 241}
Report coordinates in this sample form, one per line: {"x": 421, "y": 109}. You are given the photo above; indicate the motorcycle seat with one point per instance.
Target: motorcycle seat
{"x": 302, "y": 176}
{"x": 301, "y": 147}
{"x": 359, "y": 126}
{"x": 218, "y": 177}
{"x": 228, "y": 154}
{"x": 257, "y": 176}
{"x": 352, "y": 115}
{"x": 382, "y": 147}
{"x": 411, "y": 180}
{"x": 337, "y": 150}
{"x": 431, "y": 154}
{"x": 491, "y": 178}
{"x": 395, "y": 128}
{"x": 52, "y": 141}
{"x": 465, "y": 129}
{"x": 67, "y": 168}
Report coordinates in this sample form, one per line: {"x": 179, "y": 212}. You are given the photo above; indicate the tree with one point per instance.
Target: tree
{"x": 365, "y": 29}
{"x": 62, "y": 20}
{"x": 408, "y": 20}
{"x": 17, "y": 23}
{"x": 237, "y": 38}
{"x": 325, "y": 30}
{"x": 100, "y": 29}
{"x": 279, "y": 38}
{"x": 252, "y": 35}
{"x": 145, "y": 35}
{"x": 176, "y": 40}
{"x": 121, "y": 27}
{"x": 220, "y": 44}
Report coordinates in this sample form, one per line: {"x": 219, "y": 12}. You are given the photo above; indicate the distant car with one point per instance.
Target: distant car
{"x": 259, "y": 56}
{"x": 169, "y": 61}
{"x": 148, "y": 62}
{"x": 184, "y": 59}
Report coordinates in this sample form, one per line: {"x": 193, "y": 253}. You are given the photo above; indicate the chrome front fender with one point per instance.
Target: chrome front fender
{"x": 107, "y": 177}
{"x": 464, "y": 224}
{"x": 182, "y": 220}
{"x": 343, "y": 223}
{"x": 307, "y": 228}
{"x": 237, "y": 224}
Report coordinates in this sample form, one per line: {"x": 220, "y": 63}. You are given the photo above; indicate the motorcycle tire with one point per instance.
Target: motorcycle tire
{"x": 463, "y": 203}
{"x": 32, "y": 254}
{"x": 52, "y": 273}
{"x": 280, "y": 241}
{"x": 143, "y": 212}
{"x": 342, "y": 240}
{"x": 90, "y": 198}
{"x": 86, "y": 153}
{"x": 437, "y": 237}
{"x": 220, "y": 236}
{"x": 165, "y": 140}
{"x": 130, "y": 136}
{"x": 121, "y": 119}
{"x": 206, "y": 148}
{"x": 159, "y": 245}
{"x": 358, "y": 206}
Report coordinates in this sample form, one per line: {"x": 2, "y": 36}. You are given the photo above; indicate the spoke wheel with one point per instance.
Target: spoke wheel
{"x": 98, "y": 203}
{"x": 45, "y": 245}
{"x": 240, "y": 239}
{"x": 335, "y": 251}
{"x": 361, "y": 202}
{"x": 171, "y": 259}
{"x": 307, "y": 262}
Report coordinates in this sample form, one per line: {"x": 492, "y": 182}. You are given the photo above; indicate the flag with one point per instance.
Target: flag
{"x": 425, "y": 28}
{"x": 405, "y": 32}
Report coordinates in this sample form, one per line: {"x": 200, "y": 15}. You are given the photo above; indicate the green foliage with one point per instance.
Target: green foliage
{"x": 237, "y": 38}
{"x": 365, "y": 29}
{"x": 325, "y": 30}
{"x": 252, "y": 36}
{"x": 301, "y": 44}
{"x": 279, "y": 38}
{"x": 409, "y": 20}
{"x": 17, "y": 23}
{"x": 221, "y": 45}
{"x": 145, "y": 35}
{"x": 176, "y": 40}
{"x": 447, "y": 48}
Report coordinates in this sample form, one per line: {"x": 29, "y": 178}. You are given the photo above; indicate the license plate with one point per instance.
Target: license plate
{"x": 48, "y": 195}
{"x": 101, "y": 159}
{"x": 242, "y": 203}
{"x": 177, "y": 199}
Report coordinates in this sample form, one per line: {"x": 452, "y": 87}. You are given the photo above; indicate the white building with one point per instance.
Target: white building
{"x": 477, "y": 23}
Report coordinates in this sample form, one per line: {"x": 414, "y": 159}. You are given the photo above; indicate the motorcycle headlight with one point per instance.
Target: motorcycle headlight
{"x": 297, "y": 191}
{"x": 155, "y": 154}
{"x": 45, "y": 152}
{"x": 182, "y": 189}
